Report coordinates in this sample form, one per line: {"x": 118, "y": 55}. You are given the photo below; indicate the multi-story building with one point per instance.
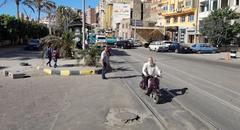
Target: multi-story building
{"x": 206, "y": 6}
{"x": 180, "y": 19}
{"x": 90, "y": 16}
{"x": 125, "y": 30}
{"x": 108, "y": 16}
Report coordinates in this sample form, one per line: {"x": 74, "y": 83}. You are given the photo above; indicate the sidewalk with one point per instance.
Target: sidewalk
{"x": 71, "y": 103}
{"x": 11, "y": 58}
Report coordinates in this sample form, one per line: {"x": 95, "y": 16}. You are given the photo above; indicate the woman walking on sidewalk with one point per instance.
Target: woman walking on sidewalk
{"x": 55, "y": 56}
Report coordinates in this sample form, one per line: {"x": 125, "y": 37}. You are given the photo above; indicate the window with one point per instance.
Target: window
{"x": 175, "y": 19}
{"x": 172, "y": 7}
{"x": 202, "y": 8}
{"x": 191, "y": 18}
{"x": 237, "y": 2}
{"x": 183, "y": 18}
{"x": 188, "y": 3}
{"x": 215, "y": 3}
{"x": 165, "y": 7}
{"x": 126, "y": 25}
{"x": 122, "y": 25}
{"x": 167, "y": 20}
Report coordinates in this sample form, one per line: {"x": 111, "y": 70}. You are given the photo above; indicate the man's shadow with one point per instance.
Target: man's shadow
{"x": 167, "y": 95}
{"x": 125, "y": 77}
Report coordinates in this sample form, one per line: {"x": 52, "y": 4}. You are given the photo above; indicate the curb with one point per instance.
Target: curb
{"x": 67, "y": 72}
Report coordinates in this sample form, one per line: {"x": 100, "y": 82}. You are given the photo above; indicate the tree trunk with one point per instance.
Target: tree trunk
{"x": 49, "y": 25}
{"x": 17, "y": 4}
{"x": 39, "y": 11}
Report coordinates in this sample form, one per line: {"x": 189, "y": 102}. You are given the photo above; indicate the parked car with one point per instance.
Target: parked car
{"x": 159, "y": 46}
{"x": 137, "y": 43}
{"x": 174, "y": 46}
{"x": 33, "y": 44}
{"x": 124, "y": 44}
{"x": 203, "y": 48}
{"x": 183, "y": 48}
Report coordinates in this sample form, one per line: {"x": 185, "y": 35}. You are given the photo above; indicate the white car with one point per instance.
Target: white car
{"x": 159, "y": 45}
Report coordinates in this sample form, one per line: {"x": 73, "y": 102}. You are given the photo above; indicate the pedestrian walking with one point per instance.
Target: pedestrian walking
{"x": 49, "y": 55}
{"x": 104, "y": 60}
{"x": 55, "y": 56}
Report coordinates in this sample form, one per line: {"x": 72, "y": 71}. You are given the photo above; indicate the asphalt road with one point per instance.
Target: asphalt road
{"x": 212, "y": 97}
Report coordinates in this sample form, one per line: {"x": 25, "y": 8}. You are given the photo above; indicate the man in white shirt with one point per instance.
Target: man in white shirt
{"x": 104, "y": 61}
{"x": 150, "y": 73}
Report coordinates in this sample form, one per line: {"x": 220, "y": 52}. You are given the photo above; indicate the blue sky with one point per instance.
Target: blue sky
{"x": 10, "y": 7}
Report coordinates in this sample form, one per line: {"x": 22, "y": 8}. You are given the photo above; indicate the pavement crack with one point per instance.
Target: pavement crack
{"x": 66, "y": 106}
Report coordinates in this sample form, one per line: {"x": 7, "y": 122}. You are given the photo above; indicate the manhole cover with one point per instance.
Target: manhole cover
{"x": 127, "y": 117}
{"x": 123, "y": 117}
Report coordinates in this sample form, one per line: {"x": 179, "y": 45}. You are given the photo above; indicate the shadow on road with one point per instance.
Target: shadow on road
{"x": 20, "y": 54}
{"x": 118, "y": 52}
{"x": 120, "y": 69}
{"x": 117, "y": 62}
{"x": 3, "y": 67}
{"x": 167, "y": 95}
{"x": 125, "y": 77}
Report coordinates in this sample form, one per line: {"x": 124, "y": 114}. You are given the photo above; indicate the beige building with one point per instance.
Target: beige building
{"x": 125, "y": 29}
{"x": 90, "y": 15}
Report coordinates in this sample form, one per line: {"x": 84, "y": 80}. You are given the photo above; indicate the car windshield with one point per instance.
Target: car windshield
{"x": 35, "y": 41}
{"x": 102, "y": 38}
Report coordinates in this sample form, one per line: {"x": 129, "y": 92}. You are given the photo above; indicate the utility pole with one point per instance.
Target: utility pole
{"x": 83, "y": 25}
{"x": 196, "y": 25}
{"x": 135, "y": 30}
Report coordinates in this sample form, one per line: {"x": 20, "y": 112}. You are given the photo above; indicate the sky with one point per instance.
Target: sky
{"x": 10, "y": 7}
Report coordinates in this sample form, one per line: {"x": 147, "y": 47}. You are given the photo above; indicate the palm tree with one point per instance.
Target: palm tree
{"x": 17, "y": 4}
{"x": 49, "y": 10}
{"x": 3, "y": 3}
{"x": 39, "y": 5}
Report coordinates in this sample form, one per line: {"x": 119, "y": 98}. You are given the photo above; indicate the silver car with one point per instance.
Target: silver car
{"x": 159, "y": 46}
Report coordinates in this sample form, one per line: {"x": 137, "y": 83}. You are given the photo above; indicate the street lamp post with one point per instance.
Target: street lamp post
{"x": 83, "y": 25}
{"x": 135, "y": 30}
{"x": 196, "y": 25}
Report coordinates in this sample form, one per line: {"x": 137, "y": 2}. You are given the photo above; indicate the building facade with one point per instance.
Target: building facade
{"x": 90, "y": 16}
{"x": 180, "y": 20}
{"x": 125, "y": 30}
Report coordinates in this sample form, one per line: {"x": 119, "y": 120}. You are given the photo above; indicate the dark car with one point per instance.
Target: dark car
{"x": 125, "y": 44}
{"x": 183, "y": 48}
{"x": 34, "y": 44}
{"x": 174, "y": 46}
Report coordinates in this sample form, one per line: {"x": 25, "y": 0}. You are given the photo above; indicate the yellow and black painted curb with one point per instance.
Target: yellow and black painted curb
{"x": 67, "y": 72}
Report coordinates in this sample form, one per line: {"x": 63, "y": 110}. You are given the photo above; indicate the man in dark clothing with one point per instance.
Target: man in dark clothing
{"x": 49, "y": 55}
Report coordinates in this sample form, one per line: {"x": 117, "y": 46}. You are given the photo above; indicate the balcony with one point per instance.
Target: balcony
{"x": 204, "y": 14}
{"x": 180, "y": 11}
{"x": 203, "y": 1}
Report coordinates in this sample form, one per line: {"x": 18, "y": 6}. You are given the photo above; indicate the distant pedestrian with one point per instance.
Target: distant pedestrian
{"x": 104, "y": 61}
{"x": 55, "y": 56}
{"x": 49, "y": 55}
